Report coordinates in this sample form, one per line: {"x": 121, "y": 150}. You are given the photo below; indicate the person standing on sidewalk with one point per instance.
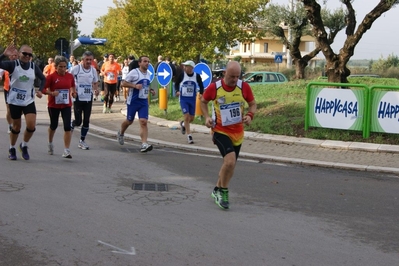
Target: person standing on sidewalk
{"x": 6, "y": 85}
{"x": 138, "y": 80}
{"x": 228, "y": 97}
{"x": 86, "y": 81}
{"x": 21, "y": 97}
{"x": 186, "y": 87}
{"x": 60, "y": 86}
{"x": 125, "y": 71}
{"x": 110, "y": 70}
{"x": 100, "y": 65}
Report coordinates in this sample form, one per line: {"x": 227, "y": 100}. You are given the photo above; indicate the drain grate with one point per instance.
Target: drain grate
{"x": 150, "y": 187}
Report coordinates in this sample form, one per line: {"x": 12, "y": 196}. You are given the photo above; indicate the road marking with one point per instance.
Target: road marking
{"x": 119, "y": 250}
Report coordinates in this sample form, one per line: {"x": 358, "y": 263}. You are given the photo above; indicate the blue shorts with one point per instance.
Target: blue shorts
{"x": 140, "y": 107}
{"x": 188, "y": 106}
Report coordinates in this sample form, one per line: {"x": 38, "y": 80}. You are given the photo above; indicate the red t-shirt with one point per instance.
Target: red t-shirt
{"x": 63, "y": 84}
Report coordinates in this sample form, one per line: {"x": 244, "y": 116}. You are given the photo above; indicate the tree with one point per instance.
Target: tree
{"x": 185, "y": 29}
{"x": 37, "y": 23}
{"x": 276, "y": 18}
{"x": 384, "y": 64}
{"x": 119, "y": 36}
{"x": 336, "y": 68}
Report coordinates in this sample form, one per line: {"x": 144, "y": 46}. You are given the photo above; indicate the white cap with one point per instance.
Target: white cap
{"x": 189, "y": 63}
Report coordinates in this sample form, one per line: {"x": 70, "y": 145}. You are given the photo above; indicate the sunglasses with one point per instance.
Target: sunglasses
{"x": 26, "y": 54}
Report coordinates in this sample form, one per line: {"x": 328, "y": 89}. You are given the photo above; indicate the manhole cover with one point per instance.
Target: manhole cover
{"x": 150, "y": 187}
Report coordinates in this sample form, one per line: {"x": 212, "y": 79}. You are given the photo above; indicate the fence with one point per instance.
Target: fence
{"x": 352, "y": 107}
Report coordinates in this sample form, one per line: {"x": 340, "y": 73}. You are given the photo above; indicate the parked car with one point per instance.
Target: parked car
{"x": 264, "y": 77}
{"x": 217, "y": 74}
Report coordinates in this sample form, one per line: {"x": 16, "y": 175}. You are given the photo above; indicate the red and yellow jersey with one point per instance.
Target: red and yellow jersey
{"x": 111, "y": 72}
{"x": 228, "y": 106}
{"x": 64, "y": 85}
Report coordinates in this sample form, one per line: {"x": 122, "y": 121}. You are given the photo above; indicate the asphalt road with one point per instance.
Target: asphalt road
{"x": 83, "y": 211}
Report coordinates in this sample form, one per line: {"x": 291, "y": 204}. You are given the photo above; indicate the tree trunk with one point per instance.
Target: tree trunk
{"x": 300, "y": 66}
{"x": 336, "y": 69}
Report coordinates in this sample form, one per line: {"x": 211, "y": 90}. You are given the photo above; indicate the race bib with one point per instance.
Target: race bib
{"x": 62, "y": 97}
{"x": 230, "y": 114}
{"x": 188, "y": 90}
{"x": 143, "y": 93}
{"x": 110, "y": 76}
{"x": 84, "y": 92}
{"x": 17, "y": 96}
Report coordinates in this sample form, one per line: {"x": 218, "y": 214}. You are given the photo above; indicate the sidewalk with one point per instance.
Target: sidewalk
{"x": 261, "y": 147}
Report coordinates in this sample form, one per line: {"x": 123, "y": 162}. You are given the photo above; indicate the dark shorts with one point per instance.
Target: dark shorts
{"x": 16, "y": 111}
{"x": 5, "y": 96}
{"x": 225, "y": 145}
{"x": 54, "y": 114}
{"x": 111, "y": 88}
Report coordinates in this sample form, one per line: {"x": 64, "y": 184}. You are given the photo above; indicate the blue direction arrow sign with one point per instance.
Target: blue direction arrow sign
{"x": 151, "y": 71}
{"x": 278, "y": 58}
{"x": 205, "y": 73}
{"x": 164, "y": 74}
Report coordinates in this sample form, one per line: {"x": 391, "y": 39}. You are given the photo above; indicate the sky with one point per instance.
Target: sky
{"x": 378, "y": 42}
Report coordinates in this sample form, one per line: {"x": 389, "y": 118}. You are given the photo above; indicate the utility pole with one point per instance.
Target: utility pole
{"x": 71, "y": 40}
{"x": 289, "y": 59}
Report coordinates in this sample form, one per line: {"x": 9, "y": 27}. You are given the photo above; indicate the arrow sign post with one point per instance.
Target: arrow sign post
{"x": 205, "y": 73}
{"x": 61, "y": 44}
{"x": 151, "y": 71}
{"x": 164, "y": 74}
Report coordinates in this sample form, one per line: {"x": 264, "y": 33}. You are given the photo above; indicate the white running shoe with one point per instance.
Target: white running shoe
{"x": 50, "y": 148}
{"x": 120, "y": 138}
{"x": 146, "y": 147}
{"x": 83, "y": 145}
{"x": 104, "y": 110}
{"x": 190, "y": 139}
{"x": 67, "y": 154}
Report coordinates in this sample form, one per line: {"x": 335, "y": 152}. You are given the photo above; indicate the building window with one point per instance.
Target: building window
{"x": 245, "y": 47}
{"x": 265, "y": 47}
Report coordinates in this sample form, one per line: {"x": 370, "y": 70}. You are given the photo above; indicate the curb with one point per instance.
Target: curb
{"x": 329, "y": 144}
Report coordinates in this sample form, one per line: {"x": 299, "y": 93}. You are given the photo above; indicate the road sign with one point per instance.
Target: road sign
{"x": 164, "y": 74}
{"x": 278, "y": 58}
{"x": 151, "y": 71}
{"x": 62, "y": 45}
{"x": 205, "y": 73}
